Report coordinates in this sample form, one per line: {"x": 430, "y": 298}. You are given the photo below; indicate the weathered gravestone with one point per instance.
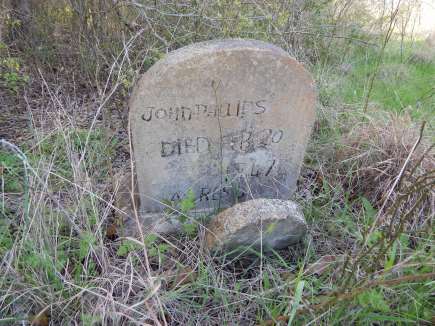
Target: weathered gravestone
{"x": 227, "y": 119}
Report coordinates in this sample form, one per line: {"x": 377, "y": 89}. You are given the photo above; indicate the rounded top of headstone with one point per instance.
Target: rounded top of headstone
{"x": 195, "y": 49}
{"x": 200, "y": 49}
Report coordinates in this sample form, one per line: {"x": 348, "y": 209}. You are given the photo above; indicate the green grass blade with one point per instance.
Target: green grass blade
{"x": 296, "y": 301}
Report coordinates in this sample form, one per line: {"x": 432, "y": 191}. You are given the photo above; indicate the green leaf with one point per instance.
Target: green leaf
{"x": 369, "y": 211}
{"x": 152, "y": 252}
{"x": 126, "y": 247}
{"x": 266, "y": 281}
{"x": 163, "y": 247}
{"x": 123, "y": 249}
{"x": 296, "y": 300}
{"x": 391, "y": 257}
{"x": 86, "y": 241}
{"x": 374, "y": 237}
{"x": 189, "y": 229}
{"x": 6, "y": 240}
{"x": 150, "y": 239}
{"x": 188, "y": 202}
{"x": 373, "y": 299}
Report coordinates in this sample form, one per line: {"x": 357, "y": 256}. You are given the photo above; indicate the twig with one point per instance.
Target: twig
{"x": 396, "y": 182}
{"x": 389, "y": 283}
{"x": 338, "y": 297}
{"x": 141, "y": 235}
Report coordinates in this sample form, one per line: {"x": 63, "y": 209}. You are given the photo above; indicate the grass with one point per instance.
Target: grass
{"x": 366, "y": 190}
{"x": 63, "y": 266}
{"x": 404, "y": 82}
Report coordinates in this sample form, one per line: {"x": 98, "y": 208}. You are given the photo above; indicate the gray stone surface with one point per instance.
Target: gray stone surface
{"x": 229, "y": 119}
{"x": 278, "y": 223}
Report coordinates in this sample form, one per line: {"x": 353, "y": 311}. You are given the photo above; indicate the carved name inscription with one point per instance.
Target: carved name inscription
{"x": 239, "y": 109}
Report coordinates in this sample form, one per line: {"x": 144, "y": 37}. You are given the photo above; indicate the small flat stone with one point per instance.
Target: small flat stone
{"x": 277, "y": 222}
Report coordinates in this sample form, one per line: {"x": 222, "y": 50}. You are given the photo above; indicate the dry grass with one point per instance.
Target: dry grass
{"x": 372, "y": 153}
{"x": 63, "y": 264}
{"x": 62, "y": 259}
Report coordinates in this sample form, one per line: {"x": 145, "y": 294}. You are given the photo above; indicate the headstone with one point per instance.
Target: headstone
{"x": 265, "y": 223}
{"x": 225, "y": 120}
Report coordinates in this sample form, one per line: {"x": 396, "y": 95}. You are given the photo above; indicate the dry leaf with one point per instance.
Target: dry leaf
{"x": 280, "y": 320}
{"x": 112, "y": 231}
{"x": 41, "y": 319}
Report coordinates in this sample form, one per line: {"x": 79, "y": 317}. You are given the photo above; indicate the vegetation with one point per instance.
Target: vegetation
{"x": 367, "y": 186}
